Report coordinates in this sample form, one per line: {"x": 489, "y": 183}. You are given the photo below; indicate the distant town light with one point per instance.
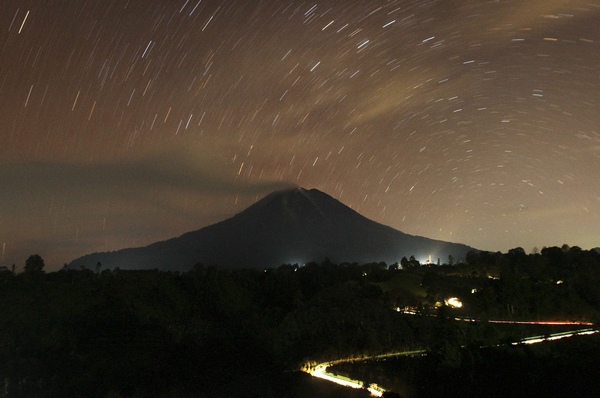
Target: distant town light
{"x": 454, "y": 302}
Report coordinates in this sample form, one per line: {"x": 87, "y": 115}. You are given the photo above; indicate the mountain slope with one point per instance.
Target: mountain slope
{"x": 292, "y": 226}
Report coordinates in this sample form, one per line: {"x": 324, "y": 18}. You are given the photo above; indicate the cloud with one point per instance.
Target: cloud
{"x": 27, "y": 182}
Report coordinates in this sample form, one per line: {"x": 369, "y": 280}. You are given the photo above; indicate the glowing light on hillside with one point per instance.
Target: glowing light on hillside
{"x": 454, "y": 302}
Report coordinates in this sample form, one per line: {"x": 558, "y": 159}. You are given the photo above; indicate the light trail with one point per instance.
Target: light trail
{"x": 552, "y": 323}
{"x": 321, "y": 373}
{"x": 320, "y": 370}
{"x": 549, "y": 323}
{"x": 556, "y": 336}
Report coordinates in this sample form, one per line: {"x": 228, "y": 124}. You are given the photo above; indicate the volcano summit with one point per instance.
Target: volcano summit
{"x": 285, "y": 227}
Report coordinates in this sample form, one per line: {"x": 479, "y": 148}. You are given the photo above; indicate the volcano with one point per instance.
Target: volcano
{"x": 294, "y": 226}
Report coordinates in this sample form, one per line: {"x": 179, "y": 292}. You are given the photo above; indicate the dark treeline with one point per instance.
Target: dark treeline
{"x": 214, "y": 332}
{"x": 557, "y": 282}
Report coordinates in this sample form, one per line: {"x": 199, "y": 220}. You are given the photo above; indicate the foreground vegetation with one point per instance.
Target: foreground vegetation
{"x": 208, "y": 331}
{"x": 216, "y": 333}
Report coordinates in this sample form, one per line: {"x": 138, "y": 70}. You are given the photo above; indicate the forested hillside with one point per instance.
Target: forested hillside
{"x": 209, "y": 331}
{"x": 214, "y": 332}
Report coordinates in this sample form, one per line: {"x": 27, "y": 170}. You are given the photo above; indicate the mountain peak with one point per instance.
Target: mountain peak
{"x": 290, "y": 226}
{"x": 291, "y": 192}
{"x": 308, "y": 205}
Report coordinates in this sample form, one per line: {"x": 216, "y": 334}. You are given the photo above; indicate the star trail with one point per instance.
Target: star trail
{"x": 125, "y": 122}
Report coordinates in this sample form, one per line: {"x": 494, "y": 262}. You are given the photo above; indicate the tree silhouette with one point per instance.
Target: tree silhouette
{"x": 404, "y": 262}
{"x": 34, "y": 264}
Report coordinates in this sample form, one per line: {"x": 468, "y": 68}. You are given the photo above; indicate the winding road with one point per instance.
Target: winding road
{"x": 320, "y": 370}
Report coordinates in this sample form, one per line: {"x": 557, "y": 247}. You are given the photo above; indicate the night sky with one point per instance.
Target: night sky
{"x": 125, "y": 122}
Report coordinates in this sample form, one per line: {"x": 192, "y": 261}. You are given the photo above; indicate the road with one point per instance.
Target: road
{"x": 320, "y": 370}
